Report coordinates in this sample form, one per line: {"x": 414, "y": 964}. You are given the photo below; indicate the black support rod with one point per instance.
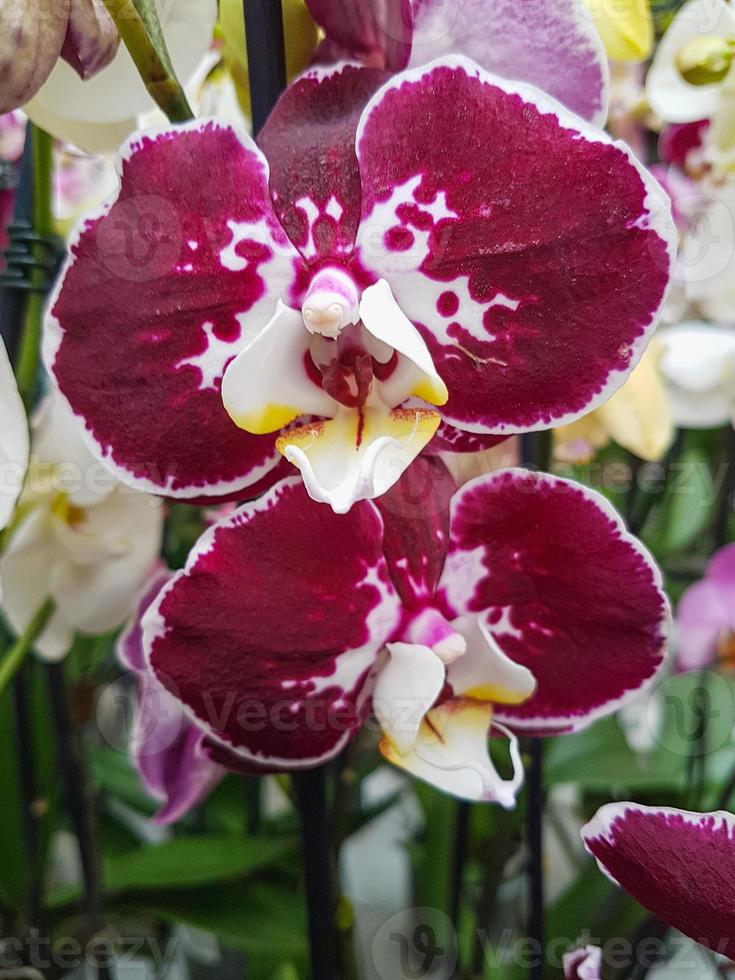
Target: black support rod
{"x": 311, "y": 796}
{"x": 266, "y": 56}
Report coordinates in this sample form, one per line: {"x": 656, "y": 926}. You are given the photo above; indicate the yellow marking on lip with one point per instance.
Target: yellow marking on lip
{"x": 496, "y": 694}
{"x": 270, "y": 418}
{"x": 432, "y": 390}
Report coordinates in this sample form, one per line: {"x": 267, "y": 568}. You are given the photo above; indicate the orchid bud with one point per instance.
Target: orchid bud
{"x": 705, "y": 60}
{"x": 92, "y": 39}
{"x": 32, "y": 34}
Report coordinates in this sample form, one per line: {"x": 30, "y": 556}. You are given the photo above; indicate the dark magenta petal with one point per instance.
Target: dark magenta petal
{"x": 563, "y": 588}
{"x": 531, "y": 251}
{"x": 268, "y": 636}
{"x": 678, "y": 865}
{"x": 376, "y": 31}
{"x": 163, "y": 287}
{"x": 309, "y": 141}
{"x": 552, "y": 44}
{"x": 416, "y": 519}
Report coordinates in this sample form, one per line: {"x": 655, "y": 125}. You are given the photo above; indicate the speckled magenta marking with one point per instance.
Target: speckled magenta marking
{"x": 399, "y": 239}
{"x": 447, "y": 304}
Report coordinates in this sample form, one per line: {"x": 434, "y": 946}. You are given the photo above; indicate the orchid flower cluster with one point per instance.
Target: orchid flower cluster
{"x": 432, "y": 247}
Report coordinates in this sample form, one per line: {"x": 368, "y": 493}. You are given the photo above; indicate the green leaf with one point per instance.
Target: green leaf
{"x": 261, "y": 919}
{"x": 688, "y": 507}
{"x": 188, "y": 862}
{"x": 600, "y": 759}
{"x": 114, "y": 773}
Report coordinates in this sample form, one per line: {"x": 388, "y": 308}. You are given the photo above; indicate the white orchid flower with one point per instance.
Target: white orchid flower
{"x": 698, "y": 366}
{"x": 692, "y": 75}
{"x": 79, "y": 537}
{"x": 13, "y": 440}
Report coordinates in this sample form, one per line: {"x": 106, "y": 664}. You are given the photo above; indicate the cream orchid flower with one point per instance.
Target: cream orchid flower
{"x": 637, "y": 417}
{"x": 99, "y": 114}
{"x": 79, "y": 538}
{"x": 626, "y": 27}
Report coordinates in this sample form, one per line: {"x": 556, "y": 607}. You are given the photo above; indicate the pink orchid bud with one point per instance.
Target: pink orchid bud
{"x": 31, "y": 38}
{"x": 92, "y": 39}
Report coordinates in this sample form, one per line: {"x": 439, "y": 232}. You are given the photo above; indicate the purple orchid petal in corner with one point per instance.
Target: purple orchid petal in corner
{"x": 705, "y": 616}
{"x": 169, "y": 751}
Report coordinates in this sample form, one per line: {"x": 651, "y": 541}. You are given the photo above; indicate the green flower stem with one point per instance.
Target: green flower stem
{"x": 43, "y": 224}
{"x": 140, "y": 28}
{"x": 15, "y": 656}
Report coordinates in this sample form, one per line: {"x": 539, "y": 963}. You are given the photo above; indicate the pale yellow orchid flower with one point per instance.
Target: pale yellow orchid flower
{"x": 626, "y": 27}
{"x": 637, "y": 417}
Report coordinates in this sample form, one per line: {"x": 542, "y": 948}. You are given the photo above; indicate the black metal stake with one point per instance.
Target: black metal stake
{"x": 311, "y": 794}
{"x": 536, "y": 455}
{"x": 80, "y": 803}
{"x": 534, "y": 830}
{"x": 26, "y": 757}
{"x": 266, "y": 56}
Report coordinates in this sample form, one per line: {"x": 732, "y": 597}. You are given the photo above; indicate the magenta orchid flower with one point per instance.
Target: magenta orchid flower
{"x": 678, "y": 865}
{"x": 552, "y": 44}
{"x": 398, "y": 257}
{"x": 705, "y": 616}
{"x": 169, "y": 751}
{"x": 518, "y": 603}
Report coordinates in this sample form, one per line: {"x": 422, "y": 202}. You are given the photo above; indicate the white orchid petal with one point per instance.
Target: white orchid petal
{"x": 406, "y": 688}
{"x": 13, "y": 440}
{"x": 451, "y": 753}
{"x": 698, "y": 366}
{"x": 415, "y": 374}
{"x": 266, "y": 386}
{"x": 670, "y": 96}
{"x": 485, "y": 672}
